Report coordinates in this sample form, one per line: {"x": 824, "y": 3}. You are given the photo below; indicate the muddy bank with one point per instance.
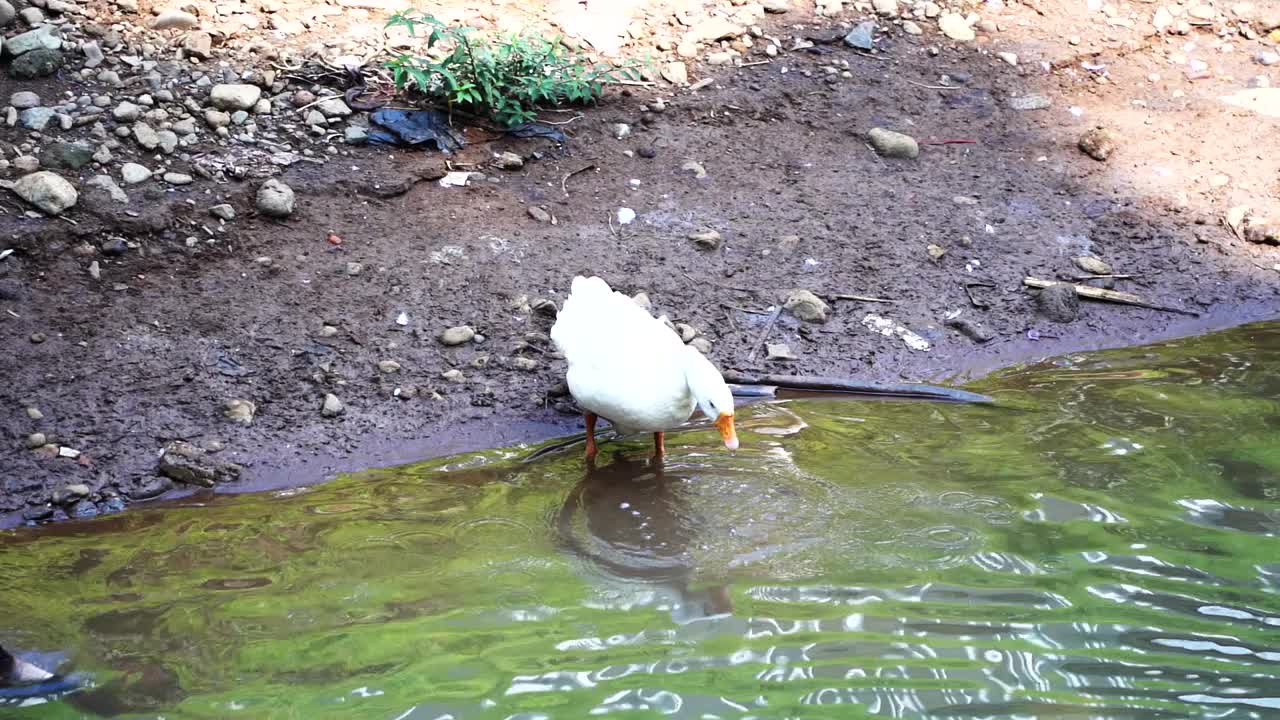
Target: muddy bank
{"x": 773, "y": 158}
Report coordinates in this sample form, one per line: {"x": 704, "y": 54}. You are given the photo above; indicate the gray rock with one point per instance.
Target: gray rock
{"x": 24, "y": 99}
{"x": 44, "y": 37}
{"x": 1099, "y": 143}
{"x": 198, "y": 44}
{"x": 39, "y": 63}
{"x": 860, "y": 37}
{"x": 106, "y": 184}
{"x": 1260, "y": 230}
{"x": 174, "y": 19}
{"x": 275, "y": 199}
{"x": 1059, "y": 303}
{"x": 36, "y": 118}
{"x": 954, "y": 26}
{"x": 387, "y": 367}
{"x": 457, "y": 335}
{"x": 973, "y": 330}
{"x": 1092, "y": 265}
{"x": 893, "y": 144}
{"x": 176, "y": 178}
{"x": 1267, "y": 57}
{"x": 239, "y": 411}
{"x": 146, "y": 136}
{"x": 186, "y": 126}
{"x": 334, "y": 107}
{"x": 705, "y": 239}
{"x": 26, "y": 163}
{"x": 133, "y": 173}
{"x": 126, "y": 112}
{"x": 332, "y": 406}
{"x": 887, "y": 8}
{"x": 539, "y": 214}
{"x": 806, "y": 306}
{"x": 701, "y": 344}
{"x": 168, "y": 141}
{"x": 35, "y": 440}
{"x": 93, "y": 56}
{"x": 7, "y": 13}
{"x": 217, "y": 119}
{"x": 715, "y": 29}
{"x": 47, "y": 191}
{"x": 188, "y": 464}
{"x": 676, "y": 73}
{"x": 509, "y": 161}
{"x": 315, "y": 118}
{"x": 524, "y": 363}
{"x": 356, "y": 135}
{"x": 223, "y": 212}
{"x": 66, "y": 156}
{"x": 70, "y": 493}
{"x": 776, "y": 6}
{"x": 235, "y": 96}
{"x": 1030, "y": 102}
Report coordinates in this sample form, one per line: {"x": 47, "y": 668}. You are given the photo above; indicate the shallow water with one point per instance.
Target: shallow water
{"x": 1102, "y": 545}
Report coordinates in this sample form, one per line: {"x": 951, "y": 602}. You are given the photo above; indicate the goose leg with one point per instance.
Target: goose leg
{"x": 590, "y": 417}
{"x": 659, "y": 445}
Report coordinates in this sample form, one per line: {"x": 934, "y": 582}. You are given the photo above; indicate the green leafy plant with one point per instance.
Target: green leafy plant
{"x": 506, "y": 78}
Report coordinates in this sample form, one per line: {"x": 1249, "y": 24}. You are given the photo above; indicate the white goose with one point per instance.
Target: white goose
{"x": 631, "y": 369}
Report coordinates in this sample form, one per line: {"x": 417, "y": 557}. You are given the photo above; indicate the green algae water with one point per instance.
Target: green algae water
{"x": 1103, "y": 544}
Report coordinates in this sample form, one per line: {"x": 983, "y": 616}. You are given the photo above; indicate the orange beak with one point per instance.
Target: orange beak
{"x": 724, "y": 424}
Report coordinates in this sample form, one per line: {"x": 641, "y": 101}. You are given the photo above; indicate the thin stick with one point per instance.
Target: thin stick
{"x": 326, "y": 98}
{"x": 747, "y": 311}
{"x": 1080, "y": 278}
{"x": 846, "y": 385}
{"x": 875, "y": 154}
{"x": 565, "y": 179}
{"x": 869, "y": 56}
{"x": 768, "y": 328}
{"x": 859, "y": 298}
{"x": 950, "y": 142}
{"x": 755, "y": 64}
{"x": 935, "y": 87}
{"x": 640, "y": 83}
{"x": 616, "y": 234}
{"x": 1122, "y": 298}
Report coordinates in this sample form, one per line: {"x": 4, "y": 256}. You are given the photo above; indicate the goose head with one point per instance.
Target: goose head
{"x": 711, "y": 394}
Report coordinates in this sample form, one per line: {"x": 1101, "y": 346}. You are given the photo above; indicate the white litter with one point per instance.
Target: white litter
{"x": 889, "y": 328}
{"x": 626, "y": 216}
{"x": 67, "y": 452}
{"x": 455, "y": 179}
{"x": 402, "y": 319}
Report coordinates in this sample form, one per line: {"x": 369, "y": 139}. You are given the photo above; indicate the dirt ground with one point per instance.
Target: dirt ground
{"x": 150, "y": 352}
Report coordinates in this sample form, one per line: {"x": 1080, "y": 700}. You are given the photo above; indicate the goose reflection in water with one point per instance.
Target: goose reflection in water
{"x": 627, "y": 520}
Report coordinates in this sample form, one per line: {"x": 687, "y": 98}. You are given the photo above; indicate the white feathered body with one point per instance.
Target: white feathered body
{"x": 625, "y": 365}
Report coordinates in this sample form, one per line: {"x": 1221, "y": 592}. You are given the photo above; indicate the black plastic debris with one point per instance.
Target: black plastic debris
{"x": 536, "y": 130}
{"x": 413, "y": 128}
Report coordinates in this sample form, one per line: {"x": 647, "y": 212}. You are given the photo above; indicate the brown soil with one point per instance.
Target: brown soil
{"x": 124, "y": 371}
